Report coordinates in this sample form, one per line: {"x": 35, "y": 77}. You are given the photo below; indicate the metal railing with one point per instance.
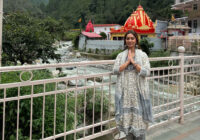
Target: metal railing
{"x": 34, "y": 104}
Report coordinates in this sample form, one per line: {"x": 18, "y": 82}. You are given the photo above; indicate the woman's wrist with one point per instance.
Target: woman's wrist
{"x": 134, "y": 64}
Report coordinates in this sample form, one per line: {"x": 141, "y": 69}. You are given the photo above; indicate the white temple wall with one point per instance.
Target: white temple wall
{"x": 109, "y": 46}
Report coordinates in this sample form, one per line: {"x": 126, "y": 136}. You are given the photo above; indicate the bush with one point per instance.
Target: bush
{"x": 103, "y": 35}
{"x": 97, "y": 51}
{"x": 159, "y": 54}
{"x": 115, "y": 53}
{"x": 90, "y": 50}
{"x": 146, "y": 45}
{"x": 69, "y": 36}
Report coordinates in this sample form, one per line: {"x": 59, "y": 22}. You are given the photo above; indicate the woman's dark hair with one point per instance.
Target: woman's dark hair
{"x": 135, "y": 35}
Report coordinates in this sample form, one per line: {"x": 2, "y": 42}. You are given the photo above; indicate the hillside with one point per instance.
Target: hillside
{"x": 99, "y": 11}
{"x": 31, "y": 6}
{"x": 107, "y": 11}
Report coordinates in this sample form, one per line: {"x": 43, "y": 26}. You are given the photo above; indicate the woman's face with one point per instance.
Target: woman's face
{"x": 130, "y": 41}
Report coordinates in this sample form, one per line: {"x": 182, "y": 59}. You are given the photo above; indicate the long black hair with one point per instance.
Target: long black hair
{"x": 135, "y": 35}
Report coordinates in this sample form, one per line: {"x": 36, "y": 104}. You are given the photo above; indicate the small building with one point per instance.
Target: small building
{"x": 98, "y": 28}
{"x": 89, "y": 27}
{"x": 138, "y": 21}
{"x": 191, "y": 10}
{"x": 85, "y": 36}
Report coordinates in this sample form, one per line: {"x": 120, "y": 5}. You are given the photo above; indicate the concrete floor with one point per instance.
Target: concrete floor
{"x": 190, "y": 130}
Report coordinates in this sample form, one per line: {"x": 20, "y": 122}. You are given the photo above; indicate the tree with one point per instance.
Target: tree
{"x": 146, "y": 45}
{"x": 103, "y": 35}
{"x": 25, "y": 40}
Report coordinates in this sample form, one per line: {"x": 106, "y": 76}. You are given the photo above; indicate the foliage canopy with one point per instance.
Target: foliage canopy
{"x": 25, "y": 39}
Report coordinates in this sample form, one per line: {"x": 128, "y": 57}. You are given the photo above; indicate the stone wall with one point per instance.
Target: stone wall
{"x": 106, "y": 47}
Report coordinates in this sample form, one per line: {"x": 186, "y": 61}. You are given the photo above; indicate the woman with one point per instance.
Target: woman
{"x": 133, "y": 109}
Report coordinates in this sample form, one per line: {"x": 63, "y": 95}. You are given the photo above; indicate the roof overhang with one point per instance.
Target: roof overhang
{"x": 183, "y": 5}
{"x": 91, "y": 35}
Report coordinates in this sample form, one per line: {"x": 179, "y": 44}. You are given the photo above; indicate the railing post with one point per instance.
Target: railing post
{"x": 181, "y": 51}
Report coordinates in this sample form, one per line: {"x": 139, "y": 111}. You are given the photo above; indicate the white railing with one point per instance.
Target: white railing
{"x": 39, "y": 106}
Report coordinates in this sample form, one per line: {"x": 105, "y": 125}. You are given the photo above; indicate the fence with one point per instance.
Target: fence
{"x": 34, "y": 104}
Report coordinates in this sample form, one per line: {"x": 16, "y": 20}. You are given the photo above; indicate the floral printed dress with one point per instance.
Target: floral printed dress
{"x": 129, "y": 112}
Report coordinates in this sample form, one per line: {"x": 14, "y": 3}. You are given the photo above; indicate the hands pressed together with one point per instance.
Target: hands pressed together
{"x": 130, "y": 60}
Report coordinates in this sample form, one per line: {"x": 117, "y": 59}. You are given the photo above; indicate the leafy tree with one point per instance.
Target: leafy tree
{"x": 24, "y": 40}
{"x": 146, "y": 45}
{"x": 55, "y": 27}
{"x": 103, "y": 35}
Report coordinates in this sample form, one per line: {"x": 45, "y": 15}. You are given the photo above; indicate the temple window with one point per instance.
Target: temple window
{"x": 195, "y": 23}
{"x": 120, "y": 38}
{"x": 182, "y": 22}
{"x": 190, "y": 23}
{"x": 144, "y": 36}
{"x": 195, "y": 6}
{"x": 114, "y": 38}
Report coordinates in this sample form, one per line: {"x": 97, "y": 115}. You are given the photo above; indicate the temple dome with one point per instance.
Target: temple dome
{"x": 139, "y": 21}
{"x": 89, "y": 27}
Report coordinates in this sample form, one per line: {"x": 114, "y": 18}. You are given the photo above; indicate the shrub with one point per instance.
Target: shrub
{"x": 146, "y": 45}
{"x": 70, "y": 35}
{"x": 103, "y": 35}
{"x": 90, "y": 50}
{"x": 115, "y": 53}
{"x": 159, "y": 54}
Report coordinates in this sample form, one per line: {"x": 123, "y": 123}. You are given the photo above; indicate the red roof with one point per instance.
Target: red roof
{"x": 91, "y": 35}
{"x": 89, "y": 27}
{"x": 138, "y": 21}
{"x": 104, "y": 25}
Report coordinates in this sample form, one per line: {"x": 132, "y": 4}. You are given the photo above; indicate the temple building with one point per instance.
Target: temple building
{"x": 89, "y": 27}
{"x": 138, "y": 21}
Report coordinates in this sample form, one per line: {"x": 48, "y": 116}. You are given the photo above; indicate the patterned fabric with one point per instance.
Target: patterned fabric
{"x": 132, "y": 100}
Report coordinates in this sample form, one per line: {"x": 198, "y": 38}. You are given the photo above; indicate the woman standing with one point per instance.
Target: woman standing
{"x": 133, "y": 109}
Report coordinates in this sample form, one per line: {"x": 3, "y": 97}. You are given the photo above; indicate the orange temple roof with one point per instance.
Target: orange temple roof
{"x": 138, "y": 21}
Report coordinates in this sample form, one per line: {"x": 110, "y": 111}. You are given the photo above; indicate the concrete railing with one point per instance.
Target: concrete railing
{"x": 81, "y": 106}
{"x": 191, "y": 43}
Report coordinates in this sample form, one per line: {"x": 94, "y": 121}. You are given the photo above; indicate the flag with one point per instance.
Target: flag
{"x": 173, "y": 18}
{"x": 79, "y": 20}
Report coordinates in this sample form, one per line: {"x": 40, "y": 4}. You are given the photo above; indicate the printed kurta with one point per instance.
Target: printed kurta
{"x": 132, "y": 95}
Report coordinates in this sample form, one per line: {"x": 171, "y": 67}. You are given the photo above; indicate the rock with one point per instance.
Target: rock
{"x": 55, "y": 73}
{"x": 70, "y": 68}
{"x": 73, "y": 82}
{"x": 78, "y": 55}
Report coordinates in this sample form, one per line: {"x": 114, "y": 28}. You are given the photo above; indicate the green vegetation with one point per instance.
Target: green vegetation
{"x": 103, "y": 35}
{"x": 146, "y": 45}
{"x": 75, "y": 40}
{"x": 160, "y": 54}
{"x": 26, "y": 38}
{"x": 115, "y": 53}
{"x": 70, "y": 35}
{"x": 25, "y": 108}
{"x": 107, "y": 11}
{"x": 99, "y": 11}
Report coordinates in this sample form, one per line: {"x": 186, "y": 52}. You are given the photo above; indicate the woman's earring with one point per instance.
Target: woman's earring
{"x": 136, "y": 46}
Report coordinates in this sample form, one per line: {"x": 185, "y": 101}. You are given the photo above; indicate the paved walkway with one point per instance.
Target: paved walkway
{"x": 190, "y": 130}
